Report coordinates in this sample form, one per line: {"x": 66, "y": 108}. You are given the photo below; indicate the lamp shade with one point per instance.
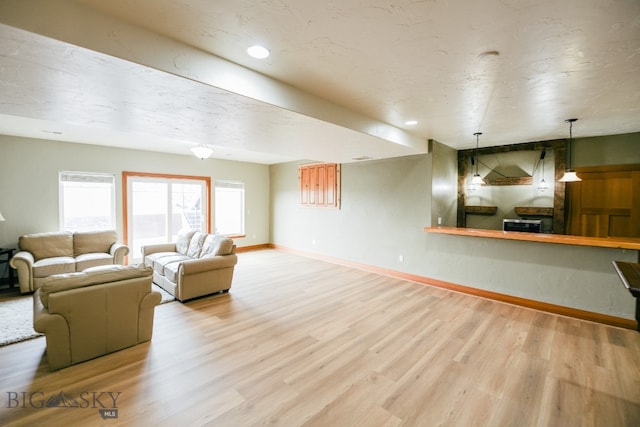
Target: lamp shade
{"x": 543, "y": 185}
{"x": 477, "y": 179}
{"x": 570, "y": 176}
{"x": 1, "y": 217}
{"x": 202, "y": 151}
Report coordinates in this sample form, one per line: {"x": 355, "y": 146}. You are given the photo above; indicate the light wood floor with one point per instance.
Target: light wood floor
{"x": 303, "y": 342}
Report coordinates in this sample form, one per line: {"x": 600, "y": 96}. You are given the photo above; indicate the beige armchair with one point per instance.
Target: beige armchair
{"x": 92, "y": 313}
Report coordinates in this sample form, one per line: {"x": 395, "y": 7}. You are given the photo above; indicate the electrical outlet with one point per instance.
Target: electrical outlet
{"x": 400, "y": 258}
{"x": 439, "y": 220}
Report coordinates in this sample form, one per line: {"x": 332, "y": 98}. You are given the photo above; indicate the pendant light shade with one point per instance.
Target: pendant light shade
{"x": 202, "y": 151}
{"x": 477, "y": 179}
{"x": 543, "y": 185}
{"x": 569, "y": 174}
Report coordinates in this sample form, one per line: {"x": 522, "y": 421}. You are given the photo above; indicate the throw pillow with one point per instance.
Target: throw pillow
{"x": 196, "y": 244}
{"x": 226, "y": 246}
{"x": 183, "y": 240}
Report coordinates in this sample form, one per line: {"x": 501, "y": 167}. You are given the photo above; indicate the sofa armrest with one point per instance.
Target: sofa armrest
{"x": 145, "y": 318}
{"x": 118, "y": 251}
{"x": 152, "y": 249}
{"x": 23, "y": 262}
{"x": 207, "y": 264}
{"x": 56, "y": 329}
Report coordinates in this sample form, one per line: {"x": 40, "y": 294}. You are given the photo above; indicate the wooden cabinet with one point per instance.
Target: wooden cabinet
{"x": 319, "y": 185}
{"x": 605, "y": 203}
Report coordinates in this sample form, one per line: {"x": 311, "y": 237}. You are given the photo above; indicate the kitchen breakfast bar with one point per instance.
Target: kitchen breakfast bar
{"x": 572, "y": 275}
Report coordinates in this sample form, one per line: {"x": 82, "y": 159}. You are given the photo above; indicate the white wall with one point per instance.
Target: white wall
{"x": 444, "y": 184}
{"x": 29, "y": 182}
{"x": 383, "y": 204}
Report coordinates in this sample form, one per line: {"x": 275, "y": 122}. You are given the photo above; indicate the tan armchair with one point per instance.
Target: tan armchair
{"x": 92, "y": 313}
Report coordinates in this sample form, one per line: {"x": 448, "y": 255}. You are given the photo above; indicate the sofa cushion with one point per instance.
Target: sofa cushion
{"x": 210, "y": 245}
{"x": 47, "y": 245}
{"x": 92, "y": 260}
{"x": 226, "y": 246}
{"x": 152, "y": 258}
{"x": 93, "y": 241}
{"x": 170, "y": 271}
{"x": 89, "y": 277}
{"x": 196, "y": 244}
{"x": 158, "y": 264}
{"x": 55, "y": 265}
{"x": 183, "y": 240}
{"x": 219, "y": 245}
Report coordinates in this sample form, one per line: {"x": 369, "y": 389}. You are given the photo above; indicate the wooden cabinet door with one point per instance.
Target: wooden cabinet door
{"x": 313, "y": 186}
{"x": 320, "y": 185}
{"x": 605, "y": 203}
{"x": 332, "y": 185}
{"x": 304, "y": 177}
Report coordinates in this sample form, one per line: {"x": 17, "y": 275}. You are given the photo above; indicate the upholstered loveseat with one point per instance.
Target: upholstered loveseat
{"x": 95, "y": 312}
{"x": 197, "y": 264}
{"x": 44, "y": 254}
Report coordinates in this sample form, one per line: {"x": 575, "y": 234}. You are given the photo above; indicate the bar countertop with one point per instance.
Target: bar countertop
{"x": 562, "y": 239}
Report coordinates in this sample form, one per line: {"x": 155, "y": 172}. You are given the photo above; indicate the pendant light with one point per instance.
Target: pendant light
{"x": 569, "y": 174}
{"x": 543, "y": 185}
{"x": 477, "y": 179}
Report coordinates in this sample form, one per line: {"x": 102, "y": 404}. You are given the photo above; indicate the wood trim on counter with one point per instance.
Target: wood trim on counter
{"x": 562, "y": 239}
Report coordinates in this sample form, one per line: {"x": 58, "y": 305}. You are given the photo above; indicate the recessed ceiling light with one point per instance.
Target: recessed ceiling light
{"x": 257, "y": 51}
{"x": 411, "y": 122}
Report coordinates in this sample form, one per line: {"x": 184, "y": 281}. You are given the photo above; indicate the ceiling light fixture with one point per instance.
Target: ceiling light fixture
{"x": 569, "y": 174}
{"x": 411, "y": 122}
{"x": 258, "y": 52}
{"x": 202, "y": 151}
{"x": 477, "y": 179}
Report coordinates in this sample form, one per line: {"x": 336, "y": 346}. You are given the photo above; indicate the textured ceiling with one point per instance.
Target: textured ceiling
{"x": 342, "y": 78}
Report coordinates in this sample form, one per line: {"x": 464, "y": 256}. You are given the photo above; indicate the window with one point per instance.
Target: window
{"x": 87, "y": 201}
{"x": 229, "y": 213}
{"x": 158, "y": 206}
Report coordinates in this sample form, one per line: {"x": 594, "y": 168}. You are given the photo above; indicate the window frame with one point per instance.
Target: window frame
{"x": 227, "y": 183}
{"x": 99, "y": 177}
{"x": 127, "y": 175}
